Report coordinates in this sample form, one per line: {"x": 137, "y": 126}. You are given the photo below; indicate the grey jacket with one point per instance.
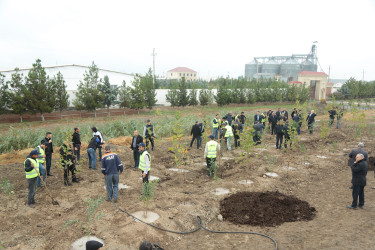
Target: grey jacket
{"x": 354, "y": 153}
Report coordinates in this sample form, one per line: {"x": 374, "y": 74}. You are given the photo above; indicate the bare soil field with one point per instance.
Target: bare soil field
{"x": 322, "y": 182}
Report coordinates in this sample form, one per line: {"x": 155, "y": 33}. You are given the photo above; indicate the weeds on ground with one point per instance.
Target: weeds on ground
{"x": 271, "y": 160}
{"x": 303, "y": 150}
{"x": 148, "y": 193}
{"x": 7, "y": 188}
{"x": 92, "y": 213}
{"x": 333, "y": 147}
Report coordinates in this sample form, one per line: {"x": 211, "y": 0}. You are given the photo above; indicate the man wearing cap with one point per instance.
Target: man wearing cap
{"x": 144, "y": 162}
{"x": 111, "y": 166}
{"x": 197, "y": 133}
{"x": 93, "y": 245}
{"x": 134, "y": 146}
{"x": 210, "y": 152}
{"x": 31, "y": 166}
{"x": 149, "y": 134}
{"x": 41, "y": 159}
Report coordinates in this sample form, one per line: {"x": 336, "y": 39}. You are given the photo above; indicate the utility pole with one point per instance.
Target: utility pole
{"x": 153, "y": 63}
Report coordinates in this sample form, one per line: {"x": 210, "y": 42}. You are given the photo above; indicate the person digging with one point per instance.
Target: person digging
{"x": 31, "y": 166}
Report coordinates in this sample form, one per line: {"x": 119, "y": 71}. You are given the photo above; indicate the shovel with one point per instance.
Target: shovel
{"x": 54, "y": 202}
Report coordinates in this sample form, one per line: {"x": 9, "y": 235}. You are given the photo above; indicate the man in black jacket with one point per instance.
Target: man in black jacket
{"x": 91, "y": 148}
{"x": 76, "y": 140}
{"x": 359, "y": 150}
{"x": 137, "y": 139}
{"x": 197, "y": 133}
{"x": 149, "y": 134}
{"x": 48, "y": 152}
{"x": 332, "y": 113}
{"x": 359, "y": 172}
{"x": 310, "y": 121}
{"x": 279, "y": 134}
{"x": 257, "y": 117}
{"x": 229, "y": 118}
{"x": 287, "y": 135}
{"x": 273, "y": 120}
{"x": 278, "y": 114}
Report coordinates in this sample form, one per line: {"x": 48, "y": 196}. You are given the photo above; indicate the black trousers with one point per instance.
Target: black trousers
{"x": 273, "y": 128}
{"x": 136, "y": 156}
{"x": 236, "y": 141}
{"x": 210, "y": 166}
{"x": 287, "y": 139}
{"x": 193, "y": 139}
{"x": 71, "y": 168}
{"x": 77, "y": 152}
{"x": 358, "y": 192}
{"x": 48, "y": 163}
{"x": 279, "y": 141}
{"x": 149, "y": 138}
{"x": 146, "y": 177}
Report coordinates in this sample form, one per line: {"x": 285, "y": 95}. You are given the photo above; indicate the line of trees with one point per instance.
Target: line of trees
{"x": 240, "y": 91}
{"x": 179, "y": 96}
{"x": 39, "y": 93}
{"x": 353, "y": 89}
{"x": 34, "y": 93}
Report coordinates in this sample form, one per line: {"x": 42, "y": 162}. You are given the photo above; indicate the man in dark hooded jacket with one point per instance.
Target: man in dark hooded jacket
{"x": 359, "y": 172}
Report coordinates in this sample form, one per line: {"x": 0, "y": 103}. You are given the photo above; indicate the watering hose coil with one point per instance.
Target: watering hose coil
{"x": 198, "y": 220}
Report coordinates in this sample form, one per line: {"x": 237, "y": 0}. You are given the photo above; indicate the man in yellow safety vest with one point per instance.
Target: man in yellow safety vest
{"x": 210, "y": 152}
{"x": 41, "y": 160}
{"x": 31, "y": 166}
{"x": 216, "y": 126}
{"x": 144, "y": 161}
{"x": 228, "y": 135}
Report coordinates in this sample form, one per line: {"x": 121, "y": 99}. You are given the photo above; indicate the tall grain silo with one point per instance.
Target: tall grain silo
{"x": 252, "y": 68}
{"x": 289, "y": 69}
{"x": 307, "y": 65}
{"x": 271, "y": 67}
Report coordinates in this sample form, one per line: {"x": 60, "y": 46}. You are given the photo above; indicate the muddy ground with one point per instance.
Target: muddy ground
{"x": 322, "y": 182}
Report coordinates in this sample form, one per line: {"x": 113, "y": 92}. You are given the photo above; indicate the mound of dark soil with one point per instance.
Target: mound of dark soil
{"x": 265, "y": 209}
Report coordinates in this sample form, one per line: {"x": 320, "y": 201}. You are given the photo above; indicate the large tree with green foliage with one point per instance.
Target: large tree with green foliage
{"x": 205, "y": 97}
{"x": 62, "y": 96}
{"x": 137, "y": 97}
{"x": 183, "y": 98}
{"x": 193, "y": 97}
{"x": 109, "y": 93}
{"x": 17, "y": 95}
{"x": 4, "y": 95}
{"x": 41, "y": 91}
{"x": 124, "y": 96}
{"x": 148, "y": 87}
{"x": 89, "y": 94}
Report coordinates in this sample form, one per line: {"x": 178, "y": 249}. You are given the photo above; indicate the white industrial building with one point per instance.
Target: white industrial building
{"x": 73, "y": 74}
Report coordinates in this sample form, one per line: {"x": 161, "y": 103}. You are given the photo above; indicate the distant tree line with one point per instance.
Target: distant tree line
{"x": 179, "y": 96}
{"x": 353, "y": 89}
{"x": 39, "y": 93}
{"x": 237, "y": 91}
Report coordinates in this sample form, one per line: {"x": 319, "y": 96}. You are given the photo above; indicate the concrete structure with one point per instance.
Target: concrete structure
{"x": 317, "y": 81}
{"x": 179, "y": 72}
{"x": 73, "y": 74}
{"x": 284, "y": 68}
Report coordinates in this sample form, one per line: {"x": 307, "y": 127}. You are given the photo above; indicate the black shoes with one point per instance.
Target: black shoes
{"x": 351, "y": 207}
{"x": 75, "y": 180}
{"x": 49, "y": 174}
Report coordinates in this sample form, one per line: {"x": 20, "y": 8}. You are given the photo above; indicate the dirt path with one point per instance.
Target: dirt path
{"x": 324, "y": 184}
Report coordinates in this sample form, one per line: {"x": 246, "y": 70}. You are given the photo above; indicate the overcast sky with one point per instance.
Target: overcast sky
{"x": 215, "y": 38}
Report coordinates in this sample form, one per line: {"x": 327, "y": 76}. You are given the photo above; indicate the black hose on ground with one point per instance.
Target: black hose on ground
{"x": 199, "y": 222}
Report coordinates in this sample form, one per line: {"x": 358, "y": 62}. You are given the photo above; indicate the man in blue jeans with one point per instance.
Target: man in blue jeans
{"x": 91, "y": 151}
{"x": 111, "y": 166}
